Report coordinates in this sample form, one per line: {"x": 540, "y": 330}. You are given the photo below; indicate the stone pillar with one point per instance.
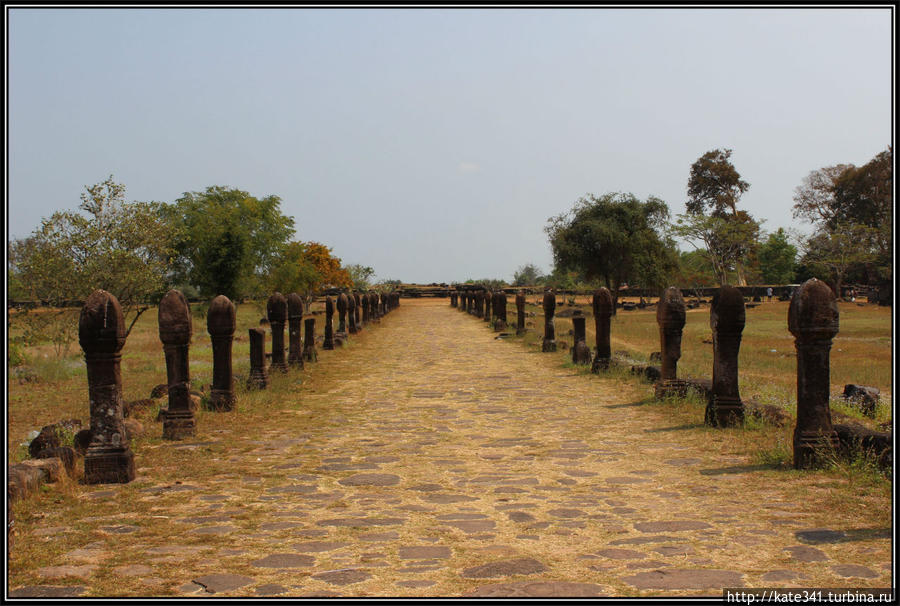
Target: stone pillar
{"x": 364, "y": 304}
{"x": 813, "y": 320}
{"x": 520, "y": 313}
{"x": 581, "y": 353}
{"x": 358, "y": 300}
{"x": 220, "y": 323}
{"x": 309, "y": 341}
{"x": 342, "y": 315}
{"x": 276, "y": 310}
{"x": 175, "y": 327}
{"x": 479, "y": 304}
{"x": 373, "y": 306}
{"x": 603, "y": 310}
{"x": 295, "y": 329}
{"x": 726, "y": 318}
{"x": 351, "y": 313}
{"x": 328, "y": 343}
{"x": 259, "y": 378}
{"x": 499, "y": 311}
{"x": 549, "y": 343}
{"x": 488, "y": 305}
{"x": 670, "y": 315}
{"x": 452, "y": 299}
{"x": 101, "y": 333}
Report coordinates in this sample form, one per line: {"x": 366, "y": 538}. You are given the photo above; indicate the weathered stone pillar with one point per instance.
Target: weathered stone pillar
{"x": 814, "y": 321}
{"x": 220, "y": 323}
{"x": 351, "y": 313}
{"x": 295, "y": 329}
{"x": 499, "y": 311}
{"x": 520, "y": 313}
{"x": 175, "y": 328}
{"x": 364, "y": 303}
{"x": 276, "y": 309}
{"x": 342, "y": 314}
{"x": 581, "y": 353}
{"x": 549, "y": 343}
{"x": 259, "y": 378}
{"x": 373, "y": 306}
{"x": 603, "y": 310}
{"x": 309, "y": 341}
{"x": 488, "y": 305}
{"x": 101, "y": 333}
{"x": 358, "y": 301}
{"x": 452, "y": 299}
{"x": 726, "y": 318}
{"x": 479, "y": 304}
{"x": 670, "y": 315}
{"x": 328, "y": 342}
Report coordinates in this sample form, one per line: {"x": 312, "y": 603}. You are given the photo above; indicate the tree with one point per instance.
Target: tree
{"x": 122, "y": 247}
{"x": 777, "y": 258}
{"x": 833, "y": 252}
{"x": 328, "y": 268}
{"x": 228, "y": 241}
{"x": 360, "y": 276}
{"x": 725, "y": 242}
{"x": 814, "y": 199}
{"x": 615, "y": 238}
{"x": 715, "y": 185}
{"x": 694, "y": 269}
{"x": 293, "y": 272}
{"x": 526, "y": 275}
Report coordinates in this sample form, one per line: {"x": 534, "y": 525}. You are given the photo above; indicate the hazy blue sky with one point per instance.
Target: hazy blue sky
{"x": 434, "y": 144}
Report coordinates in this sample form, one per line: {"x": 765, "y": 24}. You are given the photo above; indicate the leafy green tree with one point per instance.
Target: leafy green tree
{"x": 527, "y": 275}
{"x": 777, "y": 258}
{"x": 694, "y": 269}
{"x": 714, "y": 184}
{"x": 360, "y": 275}
{"x": 832, "y": 253}
{"x": 725, "y": 242}
{"x": 122, "y": 247}
{"x": 616, "y": 239}
{"x": 228, "y": 240}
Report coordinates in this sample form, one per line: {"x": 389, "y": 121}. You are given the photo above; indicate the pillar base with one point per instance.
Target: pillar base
{"x": 257, "y": 380}
{"x": 108, "y": 466}
{"x": 724, "y": 412}
{"x": 221, "y": 401}
{"x": 499, "y": 325}
{"x": 548, "y": 345}
{"x": 179, "y": 425}
{"x": 810, "y": 449}
{"x": 310, "y": 354}
{"x": 600, "y": 364}
{"x": 668, "y": 388}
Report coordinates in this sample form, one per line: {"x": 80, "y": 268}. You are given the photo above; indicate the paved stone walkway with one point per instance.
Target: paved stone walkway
{"x": 451, "y": 463}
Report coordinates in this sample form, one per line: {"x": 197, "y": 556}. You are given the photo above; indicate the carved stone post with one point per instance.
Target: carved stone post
{"x": 220, "y": 322}
{"x": 549, "y": 343}
{"x": 581, "y": 353}
{"x": 499, "y": 311}
{"x": 520, "y": 313}
{"x": 814, "y": 321}
{"x": 309, "y": 340}
{"x": 488, "y": 305}
{"x": 670, "y": 315}
{"x": 276, "y": 310}
{"x": 452, "y": 299}
{"x": 342, "y": 315}
{"x": 295, "y": 329}
{"x": 259, "y": 377}
{"x": 101, "y": 333}
{"x": 364, "y": 303}
{"x": 328, "y": 342}
{"x": 373, "y": 306}
{"x": 726, "y": 318}
{"x": 603, "y": 310}
{"x": 479, "y": 304}
{"x": 351, "y": 313}
{"x": 175, "y": 329}
{"x": 358, "y": 300}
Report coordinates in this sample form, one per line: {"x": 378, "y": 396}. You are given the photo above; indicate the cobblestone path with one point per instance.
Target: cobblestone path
{"x": 451, "y": 463}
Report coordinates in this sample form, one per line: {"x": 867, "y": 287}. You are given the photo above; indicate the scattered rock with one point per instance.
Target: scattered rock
{"x": 696, "y": 578}
{"x": 537, "y": 589}
{"x": 217, "y": 583}
{"x": 348, "y": 576}
{"x": 504, "y": 568}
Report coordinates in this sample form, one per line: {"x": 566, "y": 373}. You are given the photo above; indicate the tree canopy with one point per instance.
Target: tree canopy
{"x": 615, "y": 238}
{"x": 777, "y": 258}
{"x": 714, "y": 184}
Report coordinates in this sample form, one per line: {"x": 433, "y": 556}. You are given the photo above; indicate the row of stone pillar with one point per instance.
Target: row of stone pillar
{"x": 485, "y": 304}
{"x": 101, "y": 333}
{"x": 812, "y": 319}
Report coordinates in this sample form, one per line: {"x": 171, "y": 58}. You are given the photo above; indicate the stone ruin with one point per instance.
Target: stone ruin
{"x": 358, "y": 307}
{"x": 520, "y": 313}
{"x": 220, "y": 323}
{"x": 488, "y": 305}
{"x": 479, "y": 304}
{"x": 295, "y": 328}
{"x": 364, "y": 304}
{"x": 670, "y": 315}
{"x": 175, "y": 328}
{"x": 603, "y": 310}
{"x": 309, "y": 340}
{"x": 342, "y": 304}
{"x": 328, "y": 343}
{"x": 727, "y": 319}
{"x": 101, "y": 333}
{"x": 276, "y": 311}
{"x": 813, "y": 319}
{"x": 549, "y": 343}
{"x": 581, "y": 353}
{"x": 351, "y": 313}
{"x": 453, "y": 299}
{"x": 258, "y": 378}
